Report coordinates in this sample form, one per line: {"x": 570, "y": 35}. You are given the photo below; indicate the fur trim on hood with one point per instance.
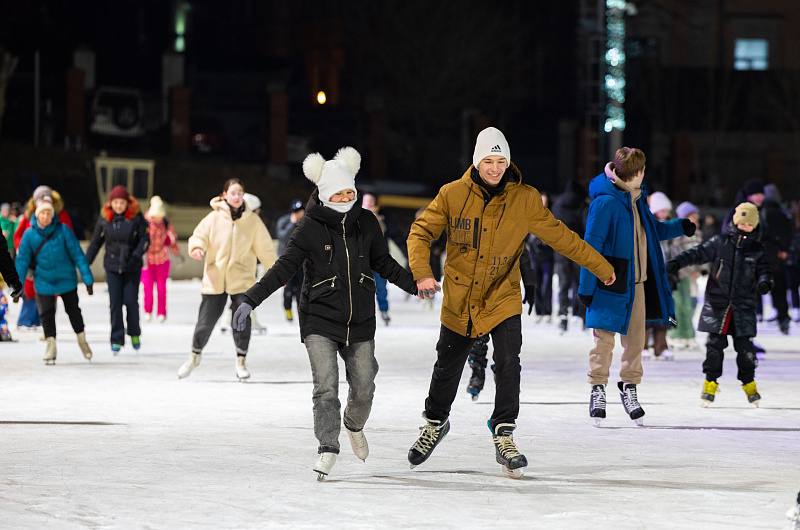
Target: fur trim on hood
{"x": 58, "y": 205}
{"x": 132, "y": 211}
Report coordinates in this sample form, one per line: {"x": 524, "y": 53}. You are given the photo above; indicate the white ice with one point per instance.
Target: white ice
{"x": 121, "y": 443}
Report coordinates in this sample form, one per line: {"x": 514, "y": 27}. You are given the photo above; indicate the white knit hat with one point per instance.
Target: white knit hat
{"x": 658, "y": 201}
{"x": 156, "y": 209}
{"x": 335, "y": 175}
{"x": 45, "y": 203}
{"x": 490, "y": 142}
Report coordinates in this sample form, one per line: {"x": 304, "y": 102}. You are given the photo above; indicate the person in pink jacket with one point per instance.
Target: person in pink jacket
{"x": 157, "y": 264}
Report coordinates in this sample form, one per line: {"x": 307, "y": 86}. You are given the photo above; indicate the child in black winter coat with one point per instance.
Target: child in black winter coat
{"x": 739, "y": 273}
{"x": 338, "y": 245}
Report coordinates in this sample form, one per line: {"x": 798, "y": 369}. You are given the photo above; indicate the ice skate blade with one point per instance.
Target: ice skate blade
{"x": 639, "y": 422}
{"x": 412, "y": 466}
{"x": 597, "y": 422}
{"x": 320, "y": 476}
{"x": 513, "y": 473}
{"x": 705, "y": 404}
{"x": 474, "y": 397}
{"x": 50, "y": 362}
{"x": 755, "y": 404}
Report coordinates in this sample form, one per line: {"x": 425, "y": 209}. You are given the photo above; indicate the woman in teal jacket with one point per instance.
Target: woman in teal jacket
{"x": 52, "y": 251}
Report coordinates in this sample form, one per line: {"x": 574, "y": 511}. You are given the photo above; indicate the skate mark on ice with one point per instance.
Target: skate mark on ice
{"x": 44, "y": 422}
{"x": 561, "y": 403}
{"x": 751, "y": 408}
{"x": 444, "y": 485}
{"x": 704, "y": 428}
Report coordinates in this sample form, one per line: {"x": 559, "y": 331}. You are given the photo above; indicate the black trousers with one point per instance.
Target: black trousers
{"x": 47, "y": 311}
{"x": 568, "y": 273}
{"x": 211, "y": 308}
{"x": 745, "y": 357}
{"x": 123, "y": 290}
{"x": 778, "y": 292}
{"x": 793, "y": 283}
{"x": 543, "y": 301}
{"x": 452, "y": 351}
{"x": 292, "y": 290}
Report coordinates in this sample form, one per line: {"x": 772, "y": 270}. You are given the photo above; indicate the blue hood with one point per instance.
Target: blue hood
{"x": 602, "y": 185}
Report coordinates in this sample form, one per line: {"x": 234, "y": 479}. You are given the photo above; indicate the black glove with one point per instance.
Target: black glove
{"x": 672, "y": 266}
{"x": 90, "y": 289}
{"x": 689, "y": 228}
{"x": 16, "y": 293}
{"x": 530, "y": 296}
{"x": 586, "y": 299}
{"x": 240, "y": 317}
{"x": 764, "y": 287}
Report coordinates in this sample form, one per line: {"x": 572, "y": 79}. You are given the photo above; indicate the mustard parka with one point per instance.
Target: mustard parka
{"x": 485, "y": 237}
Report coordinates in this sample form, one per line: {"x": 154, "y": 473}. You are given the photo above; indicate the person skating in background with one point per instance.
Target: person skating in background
{"x": 710, "y": 227}
{"x": 488, "y": 214}
{"x": 622, "y": 228}
{"x": 793, "y": 263}
{"x": 740, "y": 271}
{"x": 284, "y": 229}
{"x": 8, "y": 276}
{"x": 52, "y": 251}
{"x": 370, "y": 203}
{"x": 156, "y": 268}
{"x": 661, "y": 208}
{"x": 570, "y": 207}
{"x": 8, "y": 225}
{"x": 29, "y": 314}
{"x": 230, "y": 241}
{"x": 542, "y": 259}
{"x": 124, "y": 232}
{"x": 776, "y": 236}
{"x": 685, "y": 284}
{"x": 339, "y": 244}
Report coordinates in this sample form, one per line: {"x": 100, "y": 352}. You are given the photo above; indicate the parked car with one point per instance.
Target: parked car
{"x": 118, "y": 112}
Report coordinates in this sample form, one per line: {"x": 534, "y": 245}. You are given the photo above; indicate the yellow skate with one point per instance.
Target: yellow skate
{"x": 753, "y": 397}
{"x": 710, "y": 390}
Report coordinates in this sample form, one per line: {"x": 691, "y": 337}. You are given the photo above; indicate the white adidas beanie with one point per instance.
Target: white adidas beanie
{"x": 490, "y": 142}
{"x": 658, "y": 201}
{"x": 335, "y": 175}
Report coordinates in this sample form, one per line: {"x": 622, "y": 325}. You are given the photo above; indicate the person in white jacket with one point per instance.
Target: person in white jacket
{"x": 231, "y": 240}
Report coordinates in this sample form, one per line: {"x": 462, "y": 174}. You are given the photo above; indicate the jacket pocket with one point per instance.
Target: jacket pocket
{"x": 620, "y": 286}
{"x": 366, "y": 281}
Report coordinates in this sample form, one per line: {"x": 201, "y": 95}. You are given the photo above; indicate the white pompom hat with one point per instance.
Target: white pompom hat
{"x": 332, "y": 176}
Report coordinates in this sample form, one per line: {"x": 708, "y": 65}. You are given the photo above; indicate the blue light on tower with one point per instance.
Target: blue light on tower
{"x": 614, "y": 85}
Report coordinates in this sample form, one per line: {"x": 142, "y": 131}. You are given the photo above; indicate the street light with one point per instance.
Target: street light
{"x": 322, "y": 98}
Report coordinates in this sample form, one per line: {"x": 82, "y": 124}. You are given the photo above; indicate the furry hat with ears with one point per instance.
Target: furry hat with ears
{"x": 333, "y": 176}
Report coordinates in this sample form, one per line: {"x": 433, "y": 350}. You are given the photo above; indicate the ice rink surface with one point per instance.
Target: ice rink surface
{"x": 121, "y": 443}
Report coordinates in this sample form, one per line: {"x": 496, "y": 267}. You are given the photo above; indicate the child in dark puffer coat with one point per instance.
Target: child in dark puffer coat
{"x": 739, "y": 272}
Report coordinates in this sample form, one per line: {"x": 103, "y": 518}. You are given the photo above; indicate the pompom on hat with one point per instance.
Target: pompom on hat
{"x": 156, "y": 210}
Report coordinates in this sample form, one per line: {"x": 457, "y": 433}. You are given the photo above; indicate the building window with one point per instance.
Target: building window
{"x": 751, "y": 54}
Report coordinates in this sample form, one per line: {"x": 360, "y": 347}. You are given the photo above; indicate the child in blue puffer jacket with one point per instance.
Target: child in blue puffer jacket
{"x": 52, "y": 251}
{"x": 621, "y": 227}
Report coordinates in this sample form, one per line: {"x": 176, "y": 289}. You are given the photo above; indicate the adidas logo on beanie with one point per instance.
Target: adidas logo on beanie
{"x": 490, "y": 142}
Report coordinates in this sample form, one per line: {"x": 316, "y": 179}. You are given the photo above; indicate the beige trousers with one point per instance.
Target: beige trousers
{"x": 632, "y": 345}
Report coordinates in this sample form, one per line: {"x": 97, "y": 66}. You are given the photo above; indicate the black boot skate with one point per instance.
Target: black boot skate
{"x": 627, "y": 393}
{"x": 506, "y": 452}
{"x": 477, "y": 361}
{"x": 597, "y": 404}
{"x": 430, "y": 435}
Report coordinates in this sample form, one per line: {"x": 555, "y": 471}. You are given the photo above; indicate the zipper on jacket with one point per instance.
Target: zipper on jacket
{"x": 719, "y": 271}
{"x": 349, "y": 281}
{"x": 364, "y": 276}
{"x": 332, "y": 280}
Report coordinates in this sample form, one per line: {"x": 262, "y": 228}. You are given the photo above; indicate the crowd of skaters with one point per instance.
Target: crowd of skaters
{"x": 672, "y": 247}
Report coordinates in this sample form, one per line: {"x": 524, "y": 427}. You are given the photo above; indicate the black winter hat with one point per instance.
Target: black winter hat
{"x": 753, "y": 186}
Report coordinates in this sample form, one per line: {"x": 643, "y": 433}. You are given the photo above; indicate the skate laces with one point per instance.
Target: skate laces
{"x": 599, "y": 397}
{"x": 427, "y": 438}
{"x": 505, "y": 444}
{"x": 631, "y": 399}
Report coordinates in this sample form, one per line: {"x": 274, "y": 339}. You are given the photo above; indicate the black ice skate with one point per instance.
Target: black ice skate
{"x": 506, "y": 452}
{"x": 597, "y": 404}
{"x": 430, "y": 435}
{"x": 627, "y": 393}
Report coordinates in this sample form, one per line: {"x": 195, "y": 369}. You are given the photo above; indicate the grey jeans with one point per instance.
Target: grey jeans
{"x": 360, "y": 368}
{"x": 211, "y": 308}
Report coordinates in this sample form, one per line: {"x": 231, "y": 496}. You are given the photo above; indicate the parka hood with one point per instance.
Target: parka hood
{"x": 331, "y": 218}
{"x": 58, "y": 205}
